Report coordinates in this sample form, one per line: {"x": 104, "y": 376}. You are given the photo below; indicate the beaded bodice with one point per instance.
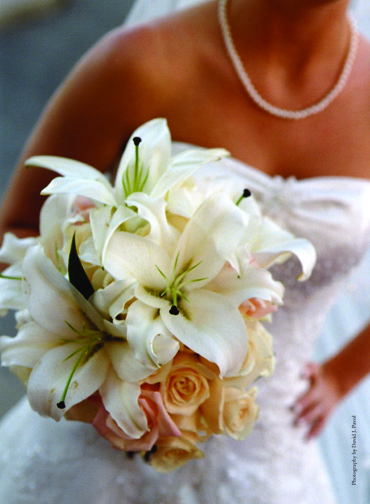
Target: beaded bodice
{"x": 42, "y": 462}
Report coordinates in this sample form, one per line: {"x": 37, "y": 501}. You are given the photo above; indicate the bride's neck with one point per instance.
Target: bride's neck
{"x": 290, "y": 32}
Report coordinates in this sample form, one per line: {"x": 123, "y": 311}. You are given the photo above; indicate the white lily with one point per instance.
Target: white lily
{"x": 145, "y": 167}
{"x": 267, "y": 243}
{"x": 175, "y": 287}
{"x": 56, "y": 219}
{"x": 12, "y": 252}
{"x": 71, "y": 350}
{"x": 250, "y": 282}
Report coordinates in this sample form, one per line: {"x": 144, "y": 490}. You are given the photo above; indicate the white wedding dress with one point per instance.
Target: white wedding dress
{"x": 43, "y": 462}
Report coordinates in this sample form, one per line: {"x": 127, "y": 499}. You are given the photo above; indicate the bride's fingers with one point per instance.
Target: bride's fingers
{"x": 310, "y": 415}
{"x": 307, "y": 400}
{"x": 310, "y": 371}
{"x": 316, "y": 428}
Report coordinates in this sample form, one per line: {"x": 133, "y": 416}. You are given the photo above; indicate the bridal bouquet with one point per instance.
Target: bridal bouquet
{"x": 139, "y": 306}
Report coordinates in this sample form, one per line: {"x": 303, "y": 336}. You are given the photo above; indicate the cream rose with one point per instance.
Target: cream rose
{"x": 173, "y": 453}
{"x": 260, "y": 359}
{"x": 186, "y": 386}
{"x": 240, "y": 412}
{"x": 230, "y": 411}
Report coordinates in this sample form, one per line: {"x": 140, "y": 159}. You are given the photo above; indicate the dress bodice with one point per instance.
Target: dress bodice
{"x": 332, "y": 212}
{"x": 41, "y": 461}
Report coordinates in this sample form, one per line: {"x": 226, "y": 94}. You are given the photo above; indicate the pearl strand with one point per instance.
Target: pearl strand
{"x": 257, "y": 98}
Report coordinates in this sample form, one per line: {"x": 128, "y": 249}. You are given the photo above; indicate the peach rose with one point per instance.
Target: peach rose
{"x": 186, "y": 386}
{"x": 160, "y": 425}
{"x": 173, "y": 453}
{"x": 193, "y": 426}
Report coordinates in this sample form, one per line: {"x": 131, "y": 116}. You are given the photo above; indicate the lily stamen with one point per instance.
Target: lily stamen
{"x": 61, "y": 404}
{"x": 175, "y": 285}
{"x": 174, "y": 310}
{"x": 91, "y": 341}
{"x": 245, "y": 194}
{"x": 137, "y": 142}
{"x": 135, "y": 182}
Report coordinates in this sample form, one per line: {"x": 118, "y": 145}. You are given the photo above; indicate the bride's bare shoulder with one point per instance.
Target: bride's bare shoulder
{"x": 156, "y": 53}
{"x": 174, "y": 31}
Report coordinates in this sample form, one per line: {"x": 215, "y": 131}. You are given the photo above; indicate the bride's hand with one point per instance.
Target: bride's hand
{"x": 315, "y": 406}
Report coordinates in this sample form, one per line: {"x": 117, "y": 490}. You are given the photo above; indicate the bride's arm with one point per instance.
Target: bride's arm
{"x": 89, "y": 118}
{"x": 331, "y": 381}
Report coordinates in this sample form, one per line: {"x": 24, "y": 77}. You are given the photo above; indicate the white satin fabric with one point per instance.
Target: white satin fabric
{"x": 145, "y": 10}
{"x": 43, "y": 462}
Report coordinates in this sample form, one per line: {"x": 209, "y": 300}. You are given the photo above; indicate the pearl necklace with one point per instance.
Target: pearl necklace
{"x": 257, "y": 98}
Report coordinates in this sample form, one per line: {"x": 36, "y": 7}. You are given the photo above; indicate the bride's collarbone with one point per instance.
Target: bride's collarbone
{"x": 329, "y": 144}
{"x": 284, "y": 148}
{"x": 305, "y": 159}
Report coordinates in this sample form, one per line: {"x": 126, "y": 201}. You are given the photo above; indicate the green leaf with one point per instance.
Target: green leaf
{"x": 76, "y": 272}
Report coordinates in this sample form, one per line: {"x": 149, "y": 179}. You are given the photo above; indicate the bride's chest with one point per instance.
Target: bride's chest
{"x": 333, "y": 143}
{"x": 304, "y": 151}
{"x": 299, "y": 150}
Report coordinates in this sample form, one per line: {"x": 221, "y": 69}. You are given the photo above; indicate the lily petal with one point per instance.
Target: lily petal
{"x": 153, "y": 210}
{"x": 104, "y": 221}
{"x": 13, "y": 249}
{"x": 253, "y": 283}
{"x": 110, "y": 301}
{"x": 125, "y": 364}
{"x": 154, "y": 153}
{"x": 151, "y": 341}
{"x": 68, "y": 168}
{"x": 209, "y": 324}
{"x": 185, "y": 199}
{"x": 93, "y": 189}
{"x": 301, "y": 248}
{"x": 26, "y": 349}
{"x": 87, "y": 252}
{"x": 11, "y": 295}
{"x": 271, "y": 244}
{"x": 183, "y": 165}
{"x": 51, "y": 300}
{"x": 129, "y": 255}
{"x": 121, "y": 401}
{"x": 49, "y": 377}
{"x": 210, "y": 236}
{"x": 78, "y": 178}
